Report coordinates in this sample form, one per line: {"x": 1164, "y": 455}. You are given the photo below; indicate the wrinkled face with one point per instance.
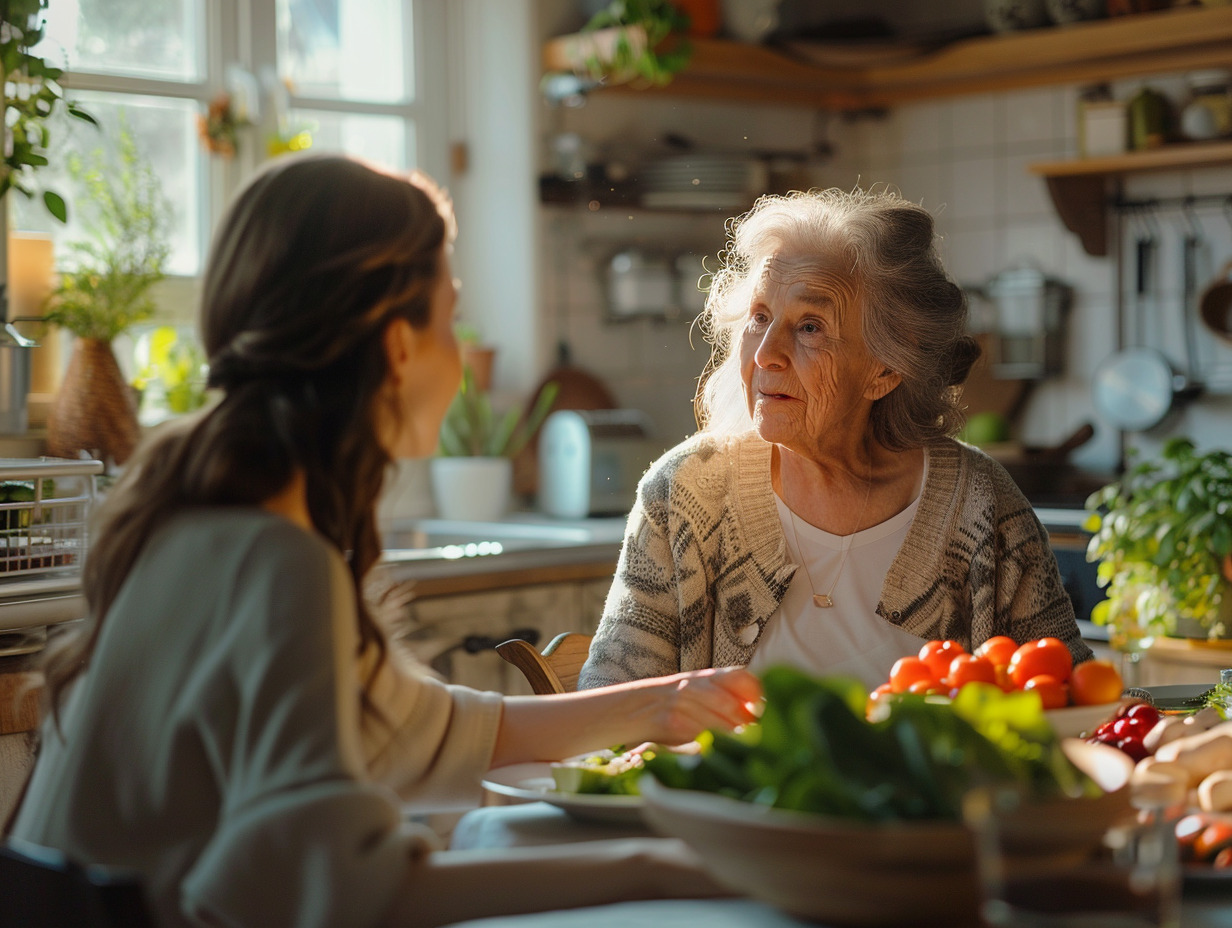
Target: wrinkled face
{"x": 428, "y": 373}
{"x": 808, "y": 378}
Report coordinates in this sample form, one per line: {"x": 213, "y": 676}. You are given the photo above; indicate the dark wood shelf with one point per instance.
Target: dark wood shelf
{"x": 1081, "y": 187}
{"x": 1174, "y": 40}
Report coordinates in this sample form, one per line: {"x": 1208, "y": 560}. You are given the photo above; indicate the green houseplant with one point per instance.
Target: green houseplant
{"x": 37, "y": 96}
{"x": 624, "y": 43}
{"x": 104, "y": 292}
{"x": 1163, "y": 537}
{"x": 472, "y": 475}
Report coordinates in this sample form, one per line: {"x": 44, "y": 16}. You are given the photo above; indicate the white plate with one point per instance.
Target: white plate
{"x": 1178, "y": 695}
{"x": 1074, "y": 721}
{"x": 533, "y": 782}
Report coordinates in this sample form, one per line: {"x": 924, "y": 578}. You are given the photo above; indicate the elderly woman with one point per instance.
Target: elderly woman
{"x": 824, "y": 516}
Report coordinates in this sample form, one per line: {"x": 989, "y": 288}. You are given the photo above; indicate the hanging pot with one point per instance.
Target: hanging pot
{"x": 94, "y": 410}
{"x": 1216, "y": 304}
{"x": 1135, "y": 388}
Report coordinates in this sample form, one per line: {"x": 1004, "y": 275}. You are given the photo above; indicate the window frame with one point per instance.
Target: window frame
{"x": 243, "y": 33}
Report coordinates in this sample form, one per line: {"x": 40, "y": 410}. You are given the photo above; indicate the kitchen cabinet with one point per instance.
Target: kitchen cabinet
{"x": 455, "y": 634}
{"x": 1186, "y": 39}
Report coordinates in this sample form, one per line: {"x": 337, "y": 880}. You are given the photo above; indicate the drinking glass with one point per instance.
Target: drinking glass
{"x": 1128, "y": 876}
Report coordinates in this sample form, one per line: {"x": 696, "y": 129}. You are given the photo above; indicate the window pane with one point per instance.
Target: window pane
{"x": 140, "y": 38}
{"x": 166, "y": 137}
{"x": 380, "y": 139}
{"x": 343, "y": 49}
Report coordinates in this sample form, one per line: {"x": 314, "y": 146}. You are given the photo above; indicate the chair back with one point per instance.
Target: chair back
{"x": 43, "y": 888}
{"x": 556, "y": 669}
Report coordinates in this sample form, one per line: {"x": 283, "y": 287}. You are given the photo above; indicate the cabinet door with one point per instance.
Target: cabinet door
{"x": 455, "y": 635}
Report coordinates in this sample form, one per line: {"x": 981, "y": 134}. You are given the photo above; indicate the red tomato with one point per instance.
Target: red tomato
{"x": 1095, "y": 682}
{"x": 879, "y": 695}
{"x": 998, "y": 649}
{"x": 1045, "y": 656}
{"x": 1051, "y": 691}
{"x": 939, "y": 655}
{"x": 908, "y": 670}
{"x": 967, "y": 668}
{"x": 1004, "y": 680}
{"x": 925, "y": 687}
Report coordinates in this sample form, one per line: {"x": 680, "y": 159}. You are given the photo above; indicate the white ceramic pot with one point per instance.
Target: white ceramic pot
{"x": 475, "y": 489}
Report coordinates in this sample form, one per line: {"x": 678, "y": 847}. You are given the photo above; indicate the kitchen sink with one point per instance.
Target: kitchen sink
{"x": 451, "y": 539}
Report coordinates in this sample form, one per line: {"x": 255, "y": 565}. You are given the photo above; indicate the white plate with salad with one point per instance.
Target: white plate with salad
{"x": 539, "y": 782}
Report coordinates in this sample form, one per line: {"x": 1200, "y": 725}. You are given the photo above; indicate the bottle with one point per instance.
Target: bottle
{"x": 1148, "y": 119}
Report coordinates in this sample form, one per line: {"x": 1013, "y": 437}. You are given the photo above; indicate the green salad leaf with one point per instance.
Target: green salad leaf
{"x": 815, "y": 751}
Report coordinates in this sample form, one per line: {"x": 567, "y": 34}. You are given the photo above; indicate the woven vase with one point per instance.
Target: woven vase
{"x": 94, "y": 409}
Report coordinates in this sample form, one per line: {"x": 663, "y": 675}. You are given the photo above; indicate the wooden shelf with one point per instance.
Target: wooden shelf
{"x": 1079, "y": 187}
{"x": 1148, "y": 43}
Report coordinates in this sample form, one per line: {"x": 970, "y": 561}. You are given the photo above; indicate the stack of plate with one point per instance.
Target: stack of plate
{"x": 697, "y": 181}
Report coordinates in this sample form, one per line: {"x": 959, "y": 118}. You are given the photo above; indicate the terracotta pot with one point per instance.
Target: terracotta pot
{"x": 94, "y": 410}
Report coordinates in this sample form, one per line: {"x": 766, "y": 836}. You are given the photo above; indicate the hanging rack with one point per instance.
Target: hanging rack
{"x": 1188, "y": 202}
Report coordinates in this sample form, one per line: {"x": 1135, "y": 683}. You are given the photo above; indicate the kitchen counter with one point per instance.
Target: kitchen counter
{"x": 442, "y": 557}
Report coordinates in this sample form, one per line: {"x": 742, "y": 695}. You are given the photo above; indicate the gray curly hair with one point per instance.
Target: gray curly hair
{"x": 913, "y": 317}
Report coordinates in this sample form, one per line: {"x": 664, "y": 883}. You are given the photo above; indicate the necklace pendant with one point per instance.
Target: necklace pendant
{"x": 822, "y": 600}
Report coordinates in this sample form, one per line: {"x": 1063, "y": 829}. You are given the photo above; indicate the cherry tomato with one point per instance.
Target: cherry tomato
{"x": 926, "y": 688}
{"x": 1095, "y": 682}
{"x": 1223, "y": 860}
{"x": 1051, "y": 691}
{"x": 940, "y": 654}
{"x": 1144, "y": 712}
{"x": 1133, "y": 746}
{"x": 1045, "y": 656}
{"x": 967, "y": 668}
{"x": 998, "y": 649}
{"x": 908, "y": 670}
{"x": 1212, "y": 839}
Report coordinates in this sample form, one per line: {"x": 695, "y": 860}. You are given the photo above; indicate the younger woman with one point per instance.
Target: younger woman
{"x": 229, "y": 724}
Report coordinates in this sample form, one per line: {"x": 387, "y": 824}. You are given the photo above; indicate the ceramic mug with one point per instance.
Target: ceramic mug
{"x": 1215, "y": 304}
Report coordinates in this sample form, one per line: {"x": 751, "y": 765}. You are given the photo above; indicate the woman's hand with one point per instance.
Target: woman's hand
{"x": 681, "y": 707}
{"x": 668, "y": 710}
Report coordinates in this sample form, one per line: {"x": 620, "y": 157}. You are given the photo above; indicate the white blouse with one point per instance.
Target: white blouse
{"x": 848, "y": 638}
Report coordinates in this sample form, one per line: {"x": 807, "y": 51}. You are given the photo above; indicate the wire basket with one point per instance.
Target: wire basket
{"x": 44, "y": 509}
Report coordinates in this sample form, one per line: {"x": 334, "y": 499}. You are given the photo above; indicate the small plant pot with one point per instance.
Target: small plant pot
{"x": 474, "y": 489}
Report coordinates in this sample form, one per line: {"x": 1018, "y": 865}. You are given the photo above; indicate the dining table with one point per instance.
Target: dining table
{"x": 537, "y": 823}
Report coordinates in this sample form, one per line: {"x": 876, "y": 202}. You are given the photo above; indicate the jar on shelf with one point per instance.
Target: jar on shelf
{"x": 1208, "y": 111}
{"x": 1148, "y": 119}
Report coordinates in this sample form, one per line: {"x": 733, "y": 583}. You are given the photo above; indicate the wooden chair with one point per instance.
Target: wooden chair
{"x": 42, "y": 888}
{"x": 553, "y": 671}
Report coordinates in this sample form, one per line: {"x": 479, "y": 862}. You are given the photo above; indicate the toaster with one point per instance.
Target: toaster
{"x": 591, "y": 460}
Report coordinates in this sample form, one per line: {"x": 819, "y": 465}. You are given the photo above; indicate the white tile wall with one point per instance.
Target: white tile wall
{"x": 966, "y": 159}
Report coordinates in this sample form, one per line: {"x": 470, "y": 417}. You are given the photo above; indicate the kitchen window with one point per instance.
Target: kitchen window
{"x": 348, "y": 74}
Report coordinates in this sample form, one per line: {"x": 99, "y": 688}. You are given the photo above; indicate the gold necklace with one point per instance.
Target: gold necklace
{"x": 826, "y": 600}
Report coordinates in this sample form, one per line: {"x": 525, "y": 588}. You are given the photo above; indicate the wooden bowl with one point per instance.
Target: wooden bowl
{"x": 848, "y": 873}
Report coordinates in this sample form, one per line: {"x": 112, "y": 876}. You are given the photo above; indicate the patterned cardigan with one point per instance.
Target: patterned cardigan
{"x": 704, "y": 563}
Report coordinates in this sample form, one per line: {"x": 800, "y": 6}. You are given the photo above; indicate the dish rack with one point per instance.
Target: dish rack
{"x": 45, "y": 506}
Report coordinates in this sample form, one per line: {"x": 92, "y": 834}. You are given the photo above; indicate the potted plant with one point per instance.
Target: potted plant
{"x": 472, "y": 476}
{"x": 624, "y": 43}
{"x": 104, "y": 293}
{"x": 37, "y": 96}
{"x": 1163, "y": 537}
